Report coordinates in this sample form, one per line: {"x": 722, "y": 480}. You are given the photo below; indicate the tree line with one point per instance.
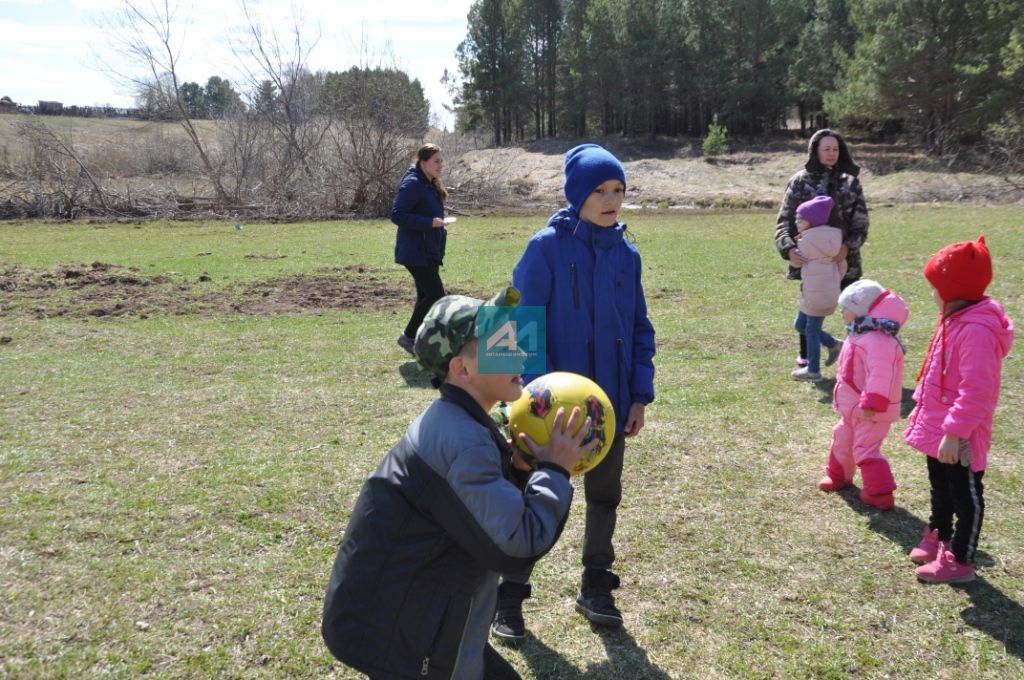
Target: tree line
{"x": 950, "y": 71}
{"x": 324, "y": 90}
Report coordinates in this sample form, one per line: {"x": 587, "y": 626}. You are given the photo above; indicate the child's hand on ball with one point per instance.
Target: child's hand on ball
{"x": 521, "y": 460}
{"x": 564, "y": 449}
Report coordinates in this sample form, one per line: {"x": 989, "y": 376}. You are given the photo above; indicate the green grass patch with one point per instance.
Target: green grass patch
{"x": 175, "y": 475}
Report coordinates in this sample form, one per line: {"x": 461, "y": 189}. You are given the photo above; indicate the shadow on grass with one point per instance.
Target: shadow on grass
{"x": 626, "y": 659}
{"x": 994, "y": 613}
{"x": 825, "y": 387}
{"x": 898, "y": 525}
{"x": 414, "y": 375}
{"x": 906, "y": 402}
{"x": 991, "y": 611}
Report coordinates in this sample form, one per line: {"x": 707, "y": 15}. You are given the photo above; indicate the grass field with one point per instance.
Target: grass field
{"x": 90, "y": 131}
{"x": 185, "y": 425}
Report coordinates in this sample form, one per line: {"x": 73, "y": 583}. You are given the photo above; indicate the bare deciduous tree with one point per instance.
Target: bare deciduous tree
{"x": 145, "y": 36}
{"x": 280, "y": 65}
{"x": 55, "y": 180}
{"x": 380, "y": 123}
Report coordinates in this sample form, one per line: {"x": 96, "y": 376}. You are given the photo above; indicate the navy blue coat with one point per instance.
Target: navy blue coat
{"x": 417, "y": 243}
{"x": 588, "y": 279}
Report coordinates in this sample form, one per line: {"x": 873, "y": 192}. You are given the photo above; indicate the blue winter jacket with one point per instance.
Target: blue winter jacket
{"x": 588, "y": 278}
{"x": 417, "y": 243}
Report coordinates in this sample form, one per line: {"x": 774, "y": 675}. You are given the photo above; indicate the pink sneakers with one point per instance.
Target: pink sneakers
{"x": 882, "y": 501}
{"x": 828, "y": 484}
{"x": 928, "y": 549}
{"x": 945, "y": 569}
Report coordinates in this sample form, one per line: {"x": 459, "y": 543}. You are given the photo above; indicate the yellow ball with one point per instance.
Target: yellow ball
{"x": 534, "y": 414}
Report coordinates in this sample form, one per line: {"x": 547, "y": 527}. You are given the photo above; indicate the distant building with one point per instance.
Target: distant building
{"x": 51, "y": 108}
{"x": 7, "y": 105}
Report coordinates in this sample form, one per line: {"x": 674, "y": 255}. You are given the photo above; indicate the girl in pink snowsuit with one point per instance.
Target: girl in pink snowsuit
{"x": 956, "y": 395}
{"x": 869, "y": 384}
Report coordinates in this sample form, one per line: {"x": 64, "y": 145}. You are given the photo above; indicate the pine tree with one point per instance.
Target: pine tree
{"x": 931, "y": 65}
{"x": 825, "y": 42}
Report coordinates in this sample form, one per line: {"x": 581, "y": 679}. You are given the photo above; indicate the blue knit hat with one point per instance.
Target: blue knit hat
{"x": 586, "y": 167}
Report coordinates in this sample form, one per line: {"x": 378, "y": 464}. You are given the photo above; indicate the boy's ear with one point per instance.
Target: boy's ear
{"x": 458, "y": 371}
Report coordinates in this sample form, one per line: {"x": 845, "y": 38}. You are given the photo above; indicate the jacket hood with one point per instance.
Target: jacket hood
{"x": 565, "y": 218}
{"x": 991, "y": 314}
{"x": 416, "y": 171}
{"x": 890, "y": 306}
{"x": 568, "y": 222}
{"x": 826, "y": 239}
{"x": 845, "y": 162}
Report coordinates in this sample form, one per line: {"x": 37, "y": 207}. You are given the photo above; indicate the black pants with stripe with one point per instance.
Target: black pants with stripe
{"x": 956, "y": 491}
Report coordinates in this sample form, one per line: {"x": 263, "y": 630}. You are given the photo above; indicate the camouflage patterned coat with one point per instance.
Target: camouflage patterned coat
{"x": 841, "y": 184}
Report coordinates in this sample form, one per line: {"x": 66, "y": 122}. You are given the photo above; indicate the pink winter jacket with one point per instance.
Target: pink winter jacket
{"x": 958, "y": 388}
{"x": 820, "y": 276}
{"x": 870, "y": 374}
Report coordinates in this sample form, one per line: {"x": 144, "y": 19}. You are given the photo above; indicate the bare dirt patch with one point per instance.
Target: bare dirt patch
{"x": 73, "y": 276}
{"x": 107, "y": 290}
{"x": 332, "y": 288}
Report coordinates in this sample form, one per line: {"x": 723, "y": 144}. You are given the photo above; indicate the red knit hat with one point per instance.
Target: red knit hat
{"x": 961, "y": 271}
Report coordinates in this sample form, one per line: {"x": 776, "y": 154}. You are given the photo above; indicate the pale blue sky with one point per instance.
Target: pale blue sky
{"x": 49, "y": 48}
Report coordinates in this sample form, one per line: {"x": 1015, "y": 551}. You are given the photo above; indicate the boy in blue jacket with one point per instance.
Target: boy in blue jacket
{"x": 586, "y": 273}
{"x": 415, "y": 580}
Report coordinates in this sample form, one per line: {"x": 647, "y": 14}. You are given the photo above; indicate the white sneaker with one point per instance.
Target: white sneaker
{"x": 833, "y": 353}
{"x": 803, "y": 375}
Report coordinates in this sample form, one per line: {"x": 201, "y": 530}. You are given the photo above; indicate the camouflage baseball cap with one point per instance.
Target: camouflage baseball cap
{"x": 449, "y": 325}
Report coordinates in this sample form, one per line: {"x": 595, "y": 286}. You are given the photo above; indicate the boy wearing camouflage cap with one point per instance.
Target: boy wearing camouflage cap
{"x": 415, "y": 580}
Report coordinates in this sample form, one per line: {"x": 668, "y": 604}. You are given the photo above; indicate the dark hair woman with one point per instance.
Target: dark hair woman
{"x": 418, "y": 211}
{"x": 829, "y": 171}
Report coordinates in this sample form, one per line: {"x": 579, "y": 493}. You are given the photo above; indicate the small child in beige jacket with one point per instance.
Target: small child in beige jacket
{"x": 819, "y": 287}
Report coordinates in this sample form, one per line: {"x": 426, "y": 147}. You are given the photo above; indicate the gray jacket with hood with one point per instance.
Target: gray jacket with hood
{"x": 414, "y": 583}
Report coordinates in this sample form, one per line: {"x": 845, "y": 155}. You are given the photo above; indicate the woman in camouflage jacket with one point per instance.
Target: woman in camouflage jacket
{"x": 829, "y": 171}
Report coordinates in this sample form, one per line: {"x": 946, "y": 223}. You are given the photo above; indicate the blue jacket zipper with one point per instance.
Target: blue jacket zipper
{"x": 575, "y": 287}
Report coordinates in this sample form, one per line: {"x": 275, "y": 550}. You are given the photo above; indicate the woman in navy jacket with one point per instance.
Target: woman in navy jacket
{"x": 418, "y": 211}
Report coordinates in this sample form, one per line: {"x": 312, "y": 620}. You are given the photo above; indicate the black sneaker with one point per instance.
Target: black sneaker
{"x": 406, "y": 343}
{"x": 508, "y": 625}
{"x": 596, "y": 601}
